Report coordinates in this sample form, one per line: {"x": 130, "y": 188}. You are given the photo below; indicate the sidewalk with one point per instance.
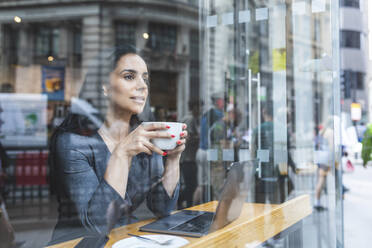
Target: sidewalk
{"x": 358, "y": 207}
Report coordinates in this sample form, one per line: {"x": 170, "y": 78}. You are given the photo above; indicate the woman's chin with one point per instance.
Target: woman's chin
{"x": 137, "y": 111}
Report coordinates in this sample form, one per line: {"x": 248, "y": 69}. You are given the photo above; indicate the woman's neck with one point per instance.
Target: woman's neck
{"x": 116, "y": 126}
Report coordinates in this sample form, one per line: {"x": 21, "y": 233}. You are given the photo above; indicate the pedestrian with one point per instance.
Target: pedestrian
{"x": 208, "y": 119}
{"x": 322, "y": 149}
{"x": 188, "y": 158}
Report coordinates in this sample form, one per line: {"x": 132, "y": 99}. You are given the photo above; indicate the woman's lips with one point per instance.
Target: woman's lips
{"x": 138, "y": 99}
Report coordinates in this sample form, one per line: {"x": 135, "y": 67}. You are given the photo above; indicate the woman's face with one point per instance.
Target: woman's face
{"x": 129, "y": 84}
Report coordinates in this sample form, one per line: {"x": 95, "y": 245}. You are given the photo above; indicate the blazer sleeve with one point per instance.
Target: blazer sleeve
{"x": 90, "y": 196}
{"x": 158, "y": 200}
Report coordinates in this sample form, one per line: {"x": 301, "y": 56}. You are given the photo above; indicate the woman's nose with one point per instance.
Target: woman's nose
{"x": 141, "y": 84}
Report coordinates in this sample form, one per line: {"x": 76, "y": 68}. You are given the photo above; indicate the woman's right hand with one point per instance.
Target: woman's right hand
{"x": 138, "y": 140}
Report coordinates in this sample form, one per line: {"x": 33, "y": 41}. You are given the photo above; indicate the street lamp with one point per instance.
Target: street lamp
{"x": 17, "y": 19}
{"x": 145, "y": 36}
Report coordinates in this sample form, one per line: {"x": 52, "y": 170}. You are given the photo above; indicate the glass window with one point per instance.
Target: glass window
{"x": 350, "y": 3}
{"x": 360, "y": 80}
{"x": 93, "y": 101}
{"x": 350, "y": 39}
{"x": 352, "y": 81}
{"x": 266, "y": 71}
{"x": 47, "y": 41}
{"x": 11, "y": 43}
{"x": 125, "y": 33}
{"x": 77, "y": 44}
{"x": 163, "y": 37}
{"x": 194, "y": 65}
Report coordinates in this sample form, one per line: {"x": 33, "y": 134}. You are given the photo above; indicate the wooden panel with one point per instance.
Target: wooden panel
{"x": 68, "y": 244}
{"x": 257, "y": 223}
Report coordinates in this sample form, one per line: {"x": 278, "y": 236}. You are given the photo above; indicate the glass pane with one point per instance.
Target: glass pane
{"x": 115, "y": 115}
{"x": 271, "y": 65}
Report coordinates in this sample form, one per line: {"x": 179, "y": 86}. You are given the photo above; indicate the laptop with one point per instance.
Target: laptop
{"x": 199, "y": 223}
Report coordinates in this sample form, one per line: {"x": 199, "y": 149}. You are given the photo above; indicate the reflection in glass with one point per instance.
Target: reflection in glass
{"x": 251, "y": 79}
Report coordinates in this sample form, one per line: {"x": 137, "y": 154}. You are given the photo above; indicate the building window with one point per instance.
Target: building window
{"x": 163, "y": 37}
{"x": 359, "y": 80}
{"x": 351, "y": 81}
{"x": 77, "y": 42}
{"x": 125, "y": 34}
{"x": 11, "y": 44}
{"x": 47, "y": 41}
{"x": 350, "y": 39}
{"x": 194, "y": 65}
{"x": 349, "y": 3}
{"x": 77, "y": 45}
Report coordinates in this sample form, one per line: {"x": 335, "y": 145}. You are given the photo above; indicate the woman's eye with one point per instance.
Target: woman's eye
{"x": 128, "y": 77}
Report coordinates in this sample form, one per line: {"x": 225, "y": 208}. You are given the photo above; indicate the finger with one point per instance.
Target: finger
{"x": 184, "y": 134}
{"x": 184, "y": 126}
{"x": 146, "y": 150}
{"x": 140, "y": 147}
{"x": 181, "y": 142}
{"x": 155, "y": 126}
{"x": 154, "y": 148}
{"x": 159, "y": 134}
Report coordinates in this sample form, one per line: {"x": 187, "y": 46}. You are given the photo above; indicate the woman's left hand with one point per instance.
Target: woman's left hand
{"x": 175, "y": 154}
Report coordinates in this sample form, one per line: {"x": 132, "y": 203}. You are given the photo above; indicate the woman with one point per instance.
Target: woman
{"x": 117, "y": 166}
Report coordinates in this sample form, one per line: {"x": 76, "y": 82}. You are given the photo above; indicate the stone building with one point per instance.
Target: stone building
{"x": 75, "y": 35}
{"x": 353, "y": 51}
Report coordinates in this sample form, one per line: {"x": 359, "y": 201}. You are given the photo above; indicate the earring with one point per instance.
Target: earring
{"x": 104, "y": 91}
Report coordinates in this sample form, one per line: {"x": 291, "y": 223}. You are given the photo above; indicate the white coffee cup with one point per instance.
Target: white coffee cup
{"x": 168, "y": 143}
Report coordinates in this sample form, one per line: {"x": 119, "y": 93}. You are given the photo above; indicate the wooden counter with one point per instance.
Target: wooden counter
{"x": 257, "y": 223}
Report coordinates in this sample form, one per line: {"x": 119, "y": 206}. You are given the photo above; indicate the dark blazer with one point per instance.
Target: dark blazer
{"x": 84, "y": 196}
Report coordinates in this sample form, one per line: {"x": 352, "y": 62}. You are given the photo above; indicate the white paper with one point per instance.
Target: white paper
{"x": 278, "y": 11}
{"x": 228, "y": 18}
{"x": 262, "y": 14}
{"x": 228, "y": 154}
{"x": 263, "y": 155}
{"x": 212, "y": 155}
{"x": 211, "y": 21}
{"x": 281, "y": 156}
{"x": 244, "y": 16}
{"x": 299, "y": 8}
{"x": 318, "y": 6}
{"x": 244, "y": 155}
{"x": 134, "y": 242}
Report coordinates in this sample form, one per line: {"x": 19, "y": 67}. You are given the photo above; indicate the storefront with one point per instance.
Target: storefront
{"x": 257, "y": 83}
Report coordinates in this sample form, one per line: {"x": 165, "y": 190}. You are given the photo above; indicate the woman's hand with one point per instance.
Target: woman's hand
{"x": 171, "y": 174}
{"x": 135, "y": 142}
{"x": 139, "y": 140}
{"x": 175, "y": 154}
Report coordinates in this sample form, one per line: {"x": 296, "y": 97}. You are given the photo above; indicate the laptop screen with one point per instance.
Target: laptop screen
{"x": 234, "y": 193}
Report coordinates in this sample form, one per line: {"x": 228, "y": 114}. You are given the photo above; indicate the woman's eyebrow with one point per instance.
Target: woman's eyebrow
{"x": 128, "y": 70}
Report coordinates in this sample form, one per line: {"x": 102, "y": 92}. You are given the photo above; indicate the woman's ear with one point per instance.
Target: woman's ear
{"x": 105, "y": 90}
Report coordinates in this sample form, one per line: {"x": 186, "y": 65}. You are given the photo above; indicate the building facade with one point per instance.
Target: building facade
{"x": 77, "y": 34}
{"x": 354, "y": 55}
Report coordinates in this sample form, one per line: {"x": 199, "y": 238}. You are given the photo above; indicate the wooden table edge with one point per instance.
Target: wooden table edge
{"x": 219, "y": 239}
{"x": 300, "y": 205}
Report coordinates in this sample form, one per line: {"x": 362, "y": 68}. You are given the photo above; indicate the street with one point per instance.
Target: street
{"x": 358, "y": 207}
